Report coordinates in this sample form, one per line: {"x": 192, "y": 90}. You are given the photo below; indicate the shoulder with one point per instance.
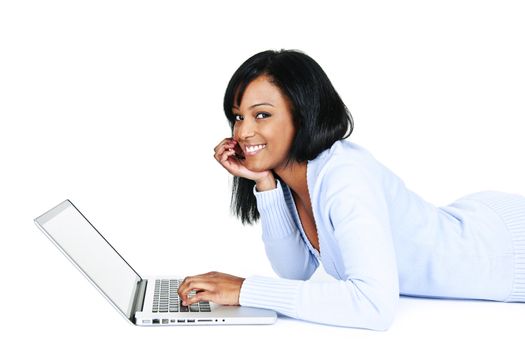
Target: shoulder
{"x": 344, "y": 181}
{"x": 345, "y": 161}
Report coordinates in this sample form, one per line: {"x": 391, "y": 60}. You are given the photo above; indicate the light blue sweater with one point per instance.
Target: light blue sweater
{"x": 378, "y": 239}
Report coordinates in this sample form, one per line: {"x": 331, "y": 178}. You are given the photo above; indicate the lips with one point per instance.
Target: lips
{"x": 253, "y": 149}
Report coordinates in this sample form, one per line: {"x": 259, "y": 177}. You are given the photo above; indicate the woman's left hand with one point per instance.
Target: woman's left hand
{"x": 213, "y": 286}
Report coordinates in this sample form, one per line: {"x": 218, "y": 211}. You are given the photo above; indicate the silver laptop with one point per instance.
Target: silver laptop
{"x": 142, "y": 301}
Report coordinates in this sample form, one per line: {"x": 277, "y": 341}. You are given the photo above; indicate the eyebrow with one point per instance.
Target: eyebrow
{"x": 257, "y": 104}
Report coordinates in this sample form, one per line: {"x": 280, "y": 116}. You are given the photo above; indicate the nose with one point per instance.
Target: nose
{"x": 245, "y": 129}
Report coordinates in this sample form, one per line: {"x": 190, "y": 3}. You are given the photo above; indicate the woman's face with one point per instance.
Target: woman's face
{"x": 264, "y": 126}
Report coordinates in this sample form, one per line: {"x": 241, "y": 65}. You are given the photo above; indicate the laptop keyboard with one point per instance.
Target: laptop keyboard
{"x": 166, "y": 298}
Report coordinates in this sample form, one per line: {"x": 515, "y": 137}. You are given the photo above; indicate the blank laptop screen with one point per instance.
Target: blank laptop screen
{"x": 84, "y": 245}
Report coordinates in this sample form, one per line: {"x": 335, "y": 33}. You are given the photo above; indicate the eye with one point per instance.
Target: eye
{"x": 262, "y": 115}
{"x": 238, "y": 117}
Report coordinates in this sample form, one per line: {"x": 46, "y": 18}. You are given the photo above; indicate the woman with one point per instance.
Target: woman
{"x": 324, "y": 199}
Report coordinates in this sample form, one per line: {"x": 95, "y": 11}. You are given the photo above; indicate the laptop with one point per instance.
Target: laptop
{"x": 142, "y": 301}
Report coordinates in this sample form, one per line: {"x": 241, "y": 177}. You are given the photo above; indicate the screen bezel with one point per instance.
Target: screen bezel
{"x": 40, "y": 221}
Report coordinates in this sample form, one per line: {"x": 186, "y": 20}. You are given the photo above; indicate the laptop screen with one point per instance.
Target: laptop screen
{"x": 92, "y": 254}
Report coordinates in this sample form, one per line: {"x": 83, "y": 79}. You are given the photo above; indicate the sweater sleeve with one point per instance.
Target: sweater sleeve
{"x": 367, "y": 294}
{"x": 285, "y": 248}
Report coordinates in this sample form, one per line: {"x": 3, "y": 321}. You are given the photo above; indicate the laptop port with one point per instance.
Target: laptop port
{"x": 181, "y": 321}
{"x": 156, "y": 321}
{"x": 165, "y": 321}
{"x": 191, "y": 321}
{"x": 204, "y": 321}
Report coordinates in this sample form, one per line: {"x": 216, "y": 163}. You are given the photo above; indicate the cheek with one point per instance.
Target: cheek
{"x": 287, "y": 137}
{"x": 236, "y": 131}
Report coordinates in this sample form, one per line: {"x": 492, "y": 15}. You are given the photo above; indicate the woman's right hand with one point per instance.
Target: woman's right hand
{"x": 225, "y": 154}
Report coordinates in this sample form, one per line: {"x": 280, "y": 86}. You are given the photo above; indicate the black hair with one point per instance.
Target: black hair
{"x": 320, "y": 117}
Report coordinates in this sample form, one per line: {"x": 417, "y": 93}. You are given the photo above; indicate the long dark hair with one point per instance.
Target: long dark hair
{"x": 320, "y": 116}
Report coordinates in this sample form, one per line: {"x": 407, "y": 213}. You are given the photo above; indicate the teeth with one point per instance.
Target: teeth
{"x": 254, "y": 148}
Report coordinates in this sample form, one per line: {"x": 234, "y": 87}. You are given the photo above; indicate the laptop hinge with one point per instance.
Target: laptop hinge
{"x": 140, "y": 295}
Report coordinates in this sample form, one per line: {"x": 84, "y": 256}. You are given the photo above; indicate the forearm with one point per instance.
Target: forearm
{"x": 358, "y": 304}
{"x": 285, "y": 247}
{"x": 266, "y": 183}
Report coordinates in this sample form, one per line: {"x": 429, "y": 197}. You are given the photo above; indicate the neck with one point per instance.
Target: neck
{"x": 294, "y": 176}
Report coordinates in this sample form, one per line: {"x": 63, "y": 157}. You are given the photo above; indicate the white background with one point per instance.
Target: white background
{"x": 118, "y": 105}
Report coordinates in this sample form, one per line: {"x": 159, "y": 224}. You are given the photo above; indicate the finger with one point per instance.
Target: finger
{"x": 227, "y": 155}
{"x": 183, "y": 287}
{"x": 201, "y": 296}
{"x": 224, "y": 148}
{"x": 223, "y": 143}
{"x": 194, "y": 283}
{"x": 190, "y": 298}
{"x": 183, "y": 284}
{"x": 232, "y": 165}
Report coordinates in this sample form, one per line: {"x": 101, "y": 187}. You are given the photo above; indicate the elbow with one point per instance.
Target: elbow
{"x": 375, "y": 318}
{"x": 353, "y": 304}
{"x": 384, "y": 301}
{"x": 381, "y": 310}
{"x": 378, "y": 319}
{"x": 385, "y": 313}
{"x": 384, "y": 320}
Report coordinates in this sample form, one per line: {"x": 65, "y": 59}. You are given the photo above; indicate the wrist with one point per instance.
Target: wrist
{"x": 239, "y": 293}
{"x": 266, "y": 183}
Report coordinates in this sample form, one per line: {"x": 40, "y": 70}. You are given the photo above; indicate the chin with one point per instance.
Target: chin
{"x": 255, "y": 166}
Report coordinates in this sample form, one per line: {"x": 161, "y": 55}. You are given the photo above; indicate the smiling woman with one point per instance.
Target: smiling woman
{"x": 264, "y": 130}
{"x": 295, "y": 87}
{"x": 324, "y": 199}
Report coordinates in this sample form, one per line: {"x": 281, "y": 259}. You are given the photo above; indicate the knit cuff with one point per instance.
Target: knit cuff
{"x": 276, "y": 294}
{"x": 511, "y": 209}
{"x": 276, "y": 218}
{"x": 267, "y": 199}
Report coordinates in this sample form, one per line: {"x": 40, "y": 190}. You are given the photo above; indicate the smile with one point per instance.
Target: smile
{"x": 251, "y": 150}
